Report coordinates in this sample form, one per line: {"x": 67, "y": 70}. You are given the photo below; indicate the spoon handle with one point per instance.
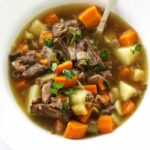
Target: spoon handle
{"x": 103, "y": 21}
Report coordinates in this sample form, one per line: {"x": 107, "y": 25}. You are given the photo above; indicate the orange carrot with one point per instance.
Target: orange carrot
{"x": 85, "y": 118}
{"x": 105, "y": 97}
{"x": 44, "y": 61}
{"x": 106, "y": 124}
{"x": 124, "y": 73}
{"x": 91, "y": 88}
{"x": 50, "y": 19}
{"x": 67, "y": 82}
{"x": 90, "y": 17}
{"x": 23, "y": 47}
{"x": 39, "y": 55}
{"x": 128, "y": 107}
{"x": 75, "y": 130}
{"x": 22, "y": 83}
{"x": 101, "y": 85}
{"x": 66, "y": 65}
{"x": 45, "y": 34}
{"x": 128, "y": 38}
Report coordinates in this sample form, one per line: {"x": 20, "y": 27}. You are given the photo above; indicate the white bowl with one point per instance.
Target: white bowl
{"x": 18, "y": 131}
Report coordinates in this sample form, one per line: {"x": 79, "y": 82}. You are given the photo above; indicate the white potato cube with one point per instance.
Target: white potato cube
{"x": 79, "y": 109}
{"x": 118, "y": 107}
{"x": 126, "y": 91}
{"x": 115, "y": 92}
{"x": 125, "y": 55}
{"x": 138, "y": 75}
{"x": 36, "y": 27}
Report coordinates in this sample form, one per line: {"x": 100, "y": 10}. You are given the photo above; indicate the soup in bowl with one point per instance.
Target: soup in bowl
{"x": 73, "y": 81}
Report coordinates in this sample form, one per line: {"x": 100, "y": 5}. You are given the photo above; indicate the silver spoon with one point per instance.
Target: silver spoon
{"x": 104, "y": 18}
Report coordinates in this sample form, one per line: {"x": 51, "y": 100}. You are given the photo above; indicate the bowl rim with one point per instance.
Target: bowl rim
{"x": 13, "y": 105}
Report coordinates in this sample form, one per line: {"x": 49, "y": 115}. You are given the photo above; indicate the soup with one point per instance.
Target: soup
{"x": 73, "y": 81}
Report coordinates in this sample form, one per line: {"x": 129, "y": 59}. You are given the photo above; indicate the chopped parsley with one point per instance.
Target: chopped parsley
{"x": 137, "y": 48}
{"x": 106, "y": 85}
{"x": 88, "y": 56}
{"x": 105, "y": 54}
{"x": 98, "y": 68}
{"x": 49, "y": 43}
{"x": 68, "y": 73}
{"x": 93, "y": 42}
{"x": 65, "y": 58}
{"x": 69, "y": 91}
{"x": 65, "y": 106}
{"x": 56, "y": 87}
{"x": 54, "y": 66}
{"x": 77, "y": 34}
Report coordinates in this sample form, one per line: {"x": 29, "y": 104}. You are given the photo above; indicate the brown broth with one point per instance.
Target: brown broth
{"x": 115, "y": 23}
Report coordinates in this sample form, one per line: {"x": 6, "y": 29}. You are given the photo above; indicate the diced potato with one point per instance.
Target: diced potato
{"x": 79, "y": 97}
{"x": 125, "y": 55}
{"x": 115, "y": 92}
{"x": 34, "y": 93}
{"x": 117, "y": 119}
{"x": 118, "y": 107}
{"x": 53, "y": 57}
{"x": 29, "y": 36}
{"x": 36, "y": 27}
{"x": 126, "y": 91}
{"x": 79, "y": 109}
{"x": 138, "y": 75}
{"x": 47, "y": 77}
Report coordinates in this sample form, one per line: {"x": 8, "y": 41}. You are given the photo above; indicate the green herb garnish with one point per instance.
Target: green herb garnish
{"x": 88, "y": 56}
{"x": 98, "y": 68}
{"x": 65, "y": 106}
{"x": 65, "y": 58}
{"x": 137, "y": 48}
{"x": 49, "y": 43}
{"x": 104, "y": 54}
{"x": 68, "y": 73}
{"x": 69, "y": 91}
{"x": 77, "y": 34}
{"x": 56, "y": 87}
{"x": 54, "y": 66}
{"x": 106, "y": 84}
{"x": 93, "y": 42}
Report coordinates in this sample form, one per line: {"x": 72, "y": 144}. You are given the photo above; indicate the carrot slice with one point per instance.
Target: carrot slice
{"x": 128, "y": 107}
{"x": 128, "y": 38}
{"x": 65, "y": 65}
{"x": 106, "y": 124}
{"x": 44, "y": 61}
{"x": 22, "y": 83}
{"x": 85, "y": 118}
{"x": 90, "y": 17}
{"x": 22, "y": 47}
{"x": 75, "y": 130}
{"x": 67, "y": 82}
{"x": 91, "y": 88}
{"x": 124, "y": 73}
{"x": 101, "y": 85}
{"x": 45, "y": 34}
{"x": 51, "y": 19}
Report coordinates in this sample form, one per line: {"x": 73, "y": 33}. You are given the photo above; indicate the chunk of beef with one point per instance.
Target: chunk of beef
{"x": 16, "y": 74}
{"x": 94, "y": 79}
{"x": 46, "y": 92}
{"x": 35, "y": 70}
{"x": 89, "y": 97}
{"x": 16, "y": 65}
{"x": 44, "y": 110}
{"x": 29, "y": 58}
{"x": 82, "y": 46}
{"x": 56, "y": 102}
{"x": 62, "y": 27}
{"x": 106, "y": 74}
{"x": 81, "y": 76}
{"x": 72, "y": 53}
{"x": 94, "y": 57}
{"x": 108, "y": 110}
{"x": 15, "y": 54}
